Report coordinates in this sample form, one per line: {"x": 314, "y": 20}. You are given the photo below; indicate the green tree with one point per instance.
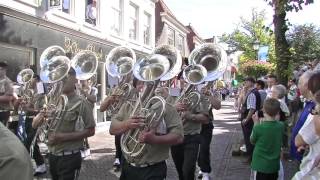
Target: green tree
{"x": 283, "y": 54}
{"x": 304, "y": 41}
{"x": 247, "y": 32}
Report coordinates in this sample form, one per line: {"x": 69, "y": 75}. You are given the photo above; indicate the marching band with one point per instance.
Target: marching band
{"x": 146, "y": 118}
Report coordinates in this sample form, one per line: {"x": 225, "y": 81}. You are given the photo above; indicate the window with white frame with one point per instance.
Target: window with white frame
{"x": 133, "y": 21}
{"x": 91, "y": 12}
{"x": 116, "y": 16}
{"x": 147, "y": 28}
{"x": 63, "y": 5}
{"x": 180, "y": 42}
{"x": 170, "y": 36}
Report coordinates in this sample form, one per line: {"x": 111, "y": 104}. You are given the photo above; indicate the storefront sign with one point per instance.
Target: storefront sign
{"x": 72, "y": 46}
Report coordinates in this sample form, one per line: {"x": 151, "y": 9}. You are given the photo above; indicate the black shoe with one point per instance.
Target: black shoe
{"x": 116, "y": 167}
{"x": 236, "y": 152}
{"x": 200, "y": 176}
{"x": 248, "y": 161}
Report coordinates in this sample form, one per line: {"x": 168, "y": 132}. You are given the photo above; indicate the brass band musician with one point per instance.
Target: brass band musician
{"x": 66, "y": 141}
{"x": 150, "y": 164}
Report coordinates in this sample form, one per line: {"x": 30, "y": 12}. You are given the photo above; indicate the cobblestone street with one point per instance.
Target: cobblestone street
{"x": 226, "y": 137}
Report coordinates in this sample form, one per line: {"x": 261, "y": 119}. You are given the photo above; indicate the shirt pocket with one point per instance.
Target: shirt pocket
{"x": 69, "y": 121}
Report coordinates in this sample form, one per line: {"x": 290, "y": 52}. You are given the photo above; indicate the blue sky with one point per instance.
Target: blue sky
{"x": 214, "y": 17}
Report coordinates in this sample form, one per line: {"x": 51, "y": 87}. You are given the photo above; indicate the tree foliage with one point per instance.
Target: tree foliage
{"x": 304, "y": 41}
{"x": 256, "y": 68}
{"x": 283, "y": 54}
{"x": 247, "y": 32}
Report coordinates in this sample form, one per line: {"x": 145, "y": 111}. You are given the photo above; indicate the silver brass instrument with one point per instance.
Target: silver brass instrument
{"x": 210, "y": 56}
{"x": 54, "y": 67}
{"x": 119, "y": 63}
{"x": 85, "y": 63}
{"x": 213, "y": 57}
{"x": 24, "y": 78}
{"x": 150, "y": 69}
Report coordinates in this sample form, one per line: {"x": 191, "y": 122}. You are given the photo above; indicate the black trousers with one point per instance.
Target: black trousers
{"x": 117, "y": 140}
{"x": 185, "y": 156}
{"x": 205, "y": 141}
{"x": 4, "y": 117}
{"x": 38, "y": 158}
{"x": 246, "y": 130}
{"x": 65, "y": 167}
{"x": 265, "y": 176}
{"x": 154, "y": 172}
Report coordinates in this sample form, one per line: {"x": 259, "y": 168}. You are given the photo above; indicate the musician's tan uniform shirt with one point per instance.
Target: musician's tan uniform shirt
{"x": 15, "y": 161}
{"x": 191, "y": 127}
{"x": 69, "y": 123}
{"x": 155, "y": 153}
{"x": 5, "y": 89}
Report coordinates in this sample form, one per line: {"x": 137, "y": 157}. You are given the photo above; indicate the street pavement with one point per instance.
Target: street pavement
{"x": 226, "y": 137}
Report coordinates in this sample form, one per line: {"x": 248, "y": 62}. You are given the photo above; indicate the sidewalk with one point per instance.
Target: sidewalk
{"x": 226, "y": 136}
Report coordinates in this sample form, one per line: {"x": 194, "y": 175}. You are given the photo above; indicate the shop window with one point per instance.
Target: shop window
{"x": 91, "y": 12}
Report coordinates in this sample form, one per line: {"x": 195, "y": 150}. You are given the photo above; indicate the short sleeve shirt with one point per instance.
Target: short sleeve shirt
{"x": 308, "y": 134}
{"x": 77, "y": 107}
{"x": 267, "y": 137}
{"x": 5, "y": 89}
{"x": 192, "y": 127}
{"x": 173, "y": 125}
{"x": 15, "y": 161}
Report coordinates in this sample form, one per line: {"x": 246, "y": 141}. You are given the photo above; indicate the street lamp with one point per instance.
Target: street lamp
{"x": 256, "y": 46}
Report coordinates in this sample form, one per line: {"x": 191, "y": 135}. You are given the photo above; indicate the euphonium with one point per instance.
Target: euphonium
{"x": 119, "y": 63}
{"x": 193, "y": 75}
{"x": 123, "y": 93}
{"x": 54, "y": 67}
{"x": 150, "y": 69}
{"x": 213, "y": 59}
{"x": 24, "y": 78}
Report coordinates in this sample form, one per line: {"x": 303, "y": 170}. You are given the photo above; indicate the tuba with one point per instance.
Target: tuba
{"x": 161, "y": 64}
{"x": 119, "y": 63}
{"x": 54, "y": 67}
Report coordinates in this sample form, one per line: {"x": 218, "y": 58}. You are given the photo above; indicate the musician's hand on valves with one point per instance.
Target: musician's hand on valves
{"x": 181, "y": 107}
{"x": 38, "y": 119}
{"x": 147, "y": 136}
{"x": 134, "y": 122}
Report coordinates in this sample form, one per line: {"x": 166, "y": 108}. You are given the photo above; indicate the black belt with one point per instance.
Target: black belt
{"x": 145, "y": 164}
{"x": 66, "y": 153}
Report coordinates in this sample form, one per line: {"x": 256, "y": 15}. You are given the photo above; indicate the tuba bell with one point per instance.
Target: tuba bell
{"x": 213, "y": 57}
{"x": 150, "y": 69}
{"x": 85, "y": 64}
